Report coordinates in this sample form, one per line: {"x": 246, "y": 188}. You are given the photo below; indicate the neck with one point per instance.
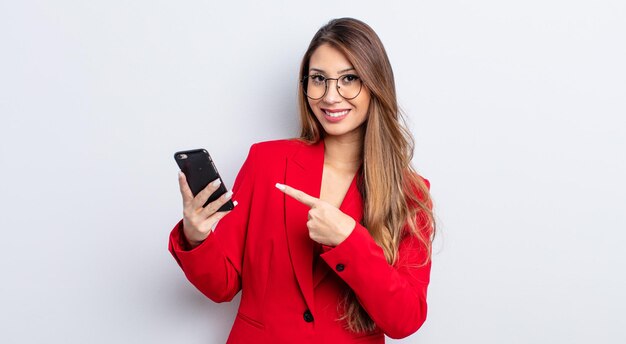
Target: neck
{"x": 344, "y": 151}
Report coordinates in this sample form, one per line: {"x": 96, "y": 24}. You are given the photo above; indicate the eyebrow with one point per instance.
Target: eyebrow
{"x": 323, "y": 72}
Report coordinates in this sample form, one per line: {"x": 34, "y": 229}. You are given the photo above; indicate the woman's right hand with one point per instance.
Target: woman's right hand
{"x": 198, "y": 222}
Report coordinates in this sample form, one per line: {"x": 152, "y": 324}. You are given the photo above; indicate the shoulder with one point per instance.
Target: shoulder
{"x": 268, "y": 160}
{"x": 417, "y": 186}
{"x": 278, "y": 149}
{"x": 419, "y": 201}
{"x": 277, "y": 145}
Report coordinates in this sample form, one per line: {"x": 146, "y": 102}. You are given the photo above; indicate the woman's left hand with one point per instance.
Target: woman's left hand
{"x": 327, "y": 225}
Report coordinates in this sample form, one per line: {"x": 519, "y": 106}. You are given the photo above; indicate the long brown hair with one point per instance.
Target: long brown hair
{"x": 396, "y": 200}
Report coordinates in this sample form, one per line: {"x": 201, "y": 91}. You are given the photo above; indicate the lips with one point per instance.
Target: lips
{"x": 335, "y": 115}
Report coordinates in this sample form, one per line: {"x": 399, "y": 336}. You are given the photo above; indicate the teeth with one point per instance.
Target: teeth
{"x": 336, "y": 114}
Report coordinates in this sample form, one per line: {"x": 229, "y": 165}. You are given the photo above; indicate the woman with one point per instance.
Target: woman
{"x": 342, "y": 254}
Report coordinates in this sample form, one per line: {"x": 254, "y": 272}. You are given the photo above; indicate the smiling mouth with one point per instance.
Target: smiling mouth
{"x": 336, "y": 114}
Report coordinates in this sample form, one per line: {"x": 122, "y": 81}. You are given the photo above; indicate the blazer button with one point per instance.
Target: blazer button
{"x": 340, "y": 267}
{"x": 308, "y": 317}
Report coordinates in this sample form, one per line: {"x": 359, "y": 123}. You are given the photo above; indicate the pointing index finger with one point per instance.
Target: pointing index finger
{"x": 298, "y": 195}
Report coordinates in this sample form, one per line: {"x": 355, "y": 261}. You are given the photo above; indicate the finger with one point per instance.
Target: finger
{"x": 298, "y": 195}
{"x": 214, "y": 206}
{"x": 205, "y": 193}
{"x": 185, "y": 191}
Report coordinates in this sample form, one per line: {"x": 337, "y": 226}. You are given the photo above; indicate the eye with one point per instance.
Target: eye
{"x": 349, "y": 79}
{"x": 317, "y": 79}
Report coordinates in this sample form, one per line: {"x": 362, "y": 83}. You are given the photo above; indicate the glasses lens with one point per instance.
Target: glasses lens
{"x": 349, "y": 86}
{"x": 314, "y": 86}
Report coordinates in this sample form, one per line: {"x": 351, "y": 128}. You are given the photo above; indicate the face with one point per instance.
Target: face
{"x": 338, "y": 116}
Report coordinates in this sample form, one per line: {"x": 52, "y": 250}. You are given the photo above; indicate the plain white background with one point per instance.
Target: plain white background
{"x": 518, "y": 108}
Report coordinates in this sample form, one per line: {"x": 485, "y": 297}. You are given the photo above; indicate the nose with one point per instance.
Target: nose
{"x": 332, "y": 94}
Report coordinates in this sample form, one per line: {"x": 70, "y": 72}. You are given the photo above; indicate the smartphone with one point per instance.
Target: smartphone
{"x": 200, "y": 170}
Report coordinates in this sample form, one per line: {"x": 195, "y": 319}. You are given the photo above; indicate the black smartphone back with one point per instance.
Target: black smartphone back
{"x": 200, "y": 170}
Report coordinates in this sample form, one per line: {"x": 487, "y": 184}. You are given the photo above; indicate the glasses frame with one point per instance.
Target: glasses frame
{"x": 306, "y": 77}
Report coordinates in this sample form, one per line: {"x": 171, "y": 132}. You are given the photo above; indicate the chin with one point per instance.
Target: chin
{"x": 342, "y": 131}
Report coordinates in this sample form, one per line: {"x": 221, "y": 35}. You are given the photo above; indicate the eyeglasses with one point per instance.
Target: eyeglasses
{"x": 315, "y": 86}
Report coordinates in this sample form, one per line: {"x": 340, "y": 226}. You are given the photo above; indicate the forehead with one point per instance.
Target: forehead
{"x": 329, "y": 60}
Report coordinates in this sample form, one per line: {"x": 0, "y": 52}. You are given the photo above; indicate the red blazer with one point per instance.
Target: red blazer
{"x": 289, "y": 294}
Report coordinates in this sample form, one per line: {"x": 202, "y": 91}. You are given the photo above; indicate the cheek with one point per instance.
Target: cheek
{"x": 364, "y": 100}
{"x": 363, "y": 113}
{"x": 314, "y": 105}
{"x": 364, "y": 106}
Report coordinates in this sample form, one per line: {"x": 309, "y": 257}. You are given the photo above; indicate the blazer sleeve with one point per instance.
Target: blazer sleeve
{"x": 214, "y": 267}
{"x": 393, "y": 296}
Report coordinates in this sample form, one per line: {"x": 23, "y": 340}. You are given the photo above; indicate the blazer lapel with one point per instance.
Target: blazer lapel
{"x": 303, "y": 172}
